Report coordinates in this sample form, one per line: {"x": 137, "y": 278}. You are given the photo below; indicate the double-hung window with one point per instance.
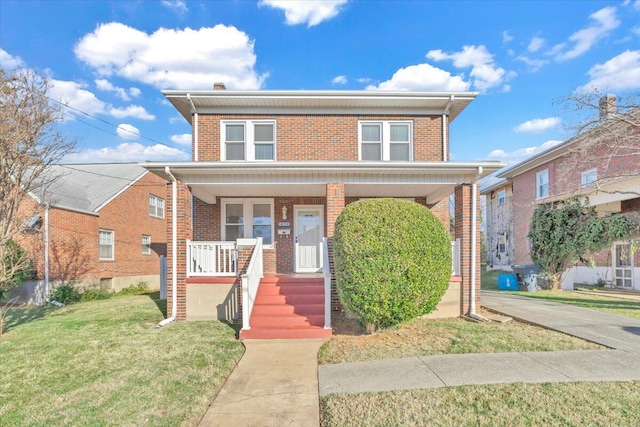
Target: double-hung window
{"x": 252, "y": 140}
{"x": 106, "y": 245}
{"x": 247, "y": 218}
{"x": 156, "y": 206}
{"x": 589, "y": 177}
{"x": 146, "y": 245}
{"x": 502, "y": 194}
{"x": 542, "y": 184}
{"x": 385, "y": 140}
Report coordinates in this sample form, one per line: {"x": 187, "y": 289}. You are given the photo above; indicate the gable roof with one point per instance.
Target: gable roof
{"x": 89, "y": 187}
{"x": 318, "y": 102}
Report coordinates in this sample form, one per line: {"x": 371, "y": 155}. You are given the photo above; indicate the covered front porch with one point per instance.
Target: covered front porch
{"x": 291, "y": 208}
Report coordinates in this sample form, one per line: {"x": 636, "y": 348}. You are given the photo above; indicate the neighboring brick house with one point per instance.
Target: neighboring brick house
{"x": 282, "y": 165}
{"x": 499, "y": 224}
{"x": 103, "y": 225}
{"x": 602, "y": 165}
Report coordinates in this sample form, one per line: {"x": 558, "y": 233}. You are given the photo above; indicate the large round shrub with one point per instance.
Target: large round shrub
{"x": 392, "y": 260}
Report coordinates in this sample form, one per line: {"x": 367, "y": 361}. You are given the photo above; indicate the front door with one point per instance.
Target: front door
{"x": 308, "y": 233}
{"x": 623, "y": 268}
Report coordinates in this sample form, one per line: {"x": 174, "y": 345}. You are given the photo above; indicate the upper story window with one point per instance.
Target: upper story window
{"x": 390, "y": 141}
{"x": 502, "y": 194}
{"x": 542, "y": 184}
{"x": 251, "y": 140}
{"x": 589, "y": 177}
{"x": 248, "y": 218}
{"x": 106, "y": 245}
{"x": 156, "y": 206}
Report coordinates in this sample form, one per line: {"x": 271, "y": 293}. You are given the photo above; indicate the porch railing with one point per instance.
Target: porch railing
{"x": 455, "y": 257}
{"x": 251, "y": 282}
{"x": 326, "y": 272}
{"x": 211, "y": 259}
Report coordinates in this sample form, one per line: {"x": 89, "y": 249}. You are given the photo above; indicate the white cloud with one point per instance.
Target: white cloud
{"x": 127, "y": 131}
{"x": 521, "y": 154}
{"x": 304, "y": 11}
{"x": 76, "y": 96}
{"x": 176, "y": 5}
{"x": 506, "y": 36}
{"x": 535, "y": 44}
{"x": 134, "y": 92}
{"x": 170, "y": 58}
{"x": 135, "y": 111}
{"x": 339, "y": 80}
{"x": 422, "y": 77}
{"x": 10, "y": 62}
{"x": 621, "y": 72}
{"x": 105, "y": 85}
{"x": 636, "y": 30}
{"x": 538, "y": 125}
{"x": 182, "y": 139}
{"x": 365, "y": 80}
{"x": 604, "y": 21}
{"x": 128, "y": 152}
{"x": 534, "y": 64}
{"x": 485, "y": 73}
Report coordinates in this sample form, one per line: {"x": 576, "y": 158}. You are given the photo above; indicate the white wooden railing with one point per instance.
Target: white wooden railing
{"x": 211, "y": 259}
{"x": 251, "y": 282}
{"x": 326, "y": 272}
{"x": 455, "y": 257}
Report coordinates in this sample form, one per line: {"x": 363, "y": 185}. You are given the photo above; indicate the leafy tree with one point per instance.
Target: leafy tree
{"x": 29, "y": 144}
{"x": 17, "y": 270}
{"x": 564, "y": 233}
{"x": 392, "y": 261}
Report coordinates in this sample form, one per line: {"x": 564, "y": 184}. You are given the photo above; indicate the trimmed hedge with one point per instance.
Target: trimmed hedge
{"x": 392, "y": 261}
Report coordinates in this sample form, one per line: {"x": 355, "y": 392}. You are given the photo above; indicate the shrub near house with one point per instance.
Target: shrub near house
{"x": 392, "y": 261}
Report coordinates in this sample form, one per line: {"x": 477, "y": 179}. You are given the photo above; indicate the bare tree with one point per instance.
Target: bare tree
{"x": 29, "y": 143}
{"x": 607, "y": 131}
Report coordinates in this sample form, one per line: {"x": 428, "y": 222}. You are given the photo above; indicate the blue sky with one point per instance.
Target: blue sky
{"x": 109, "y": 60}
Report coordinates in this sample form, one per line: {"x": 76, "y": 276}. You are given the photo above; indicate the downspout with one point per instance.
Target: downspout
{"x": 195, "y": 128}
{"x": 46, "y": 251}
{"x": 474, "y": 252}
{"x": 445, "y": 125}
{"x": 174, "y": 251}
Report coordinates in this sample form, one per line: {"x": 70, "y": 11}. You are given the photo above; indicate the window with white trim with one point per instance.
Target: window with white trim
{"x": 156, "y": 206}
{"x": 385, "y": 140}
{"x": 502, "y": 243}
{"x": 589, "y": 177}
{"x": 146, "y": 245}
{"x": 502, "y": 196}
{"x": 247, "y": 218}
{"x": 106, "y": 245}
{"x": 251, "y": 140}
{"x": 542, "y": 184}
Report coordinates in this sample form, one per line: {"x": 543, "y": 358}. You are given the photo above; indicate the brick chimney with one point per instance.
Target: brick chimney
{"x": 221, "y": 86}
{"x": 607, "y": 106}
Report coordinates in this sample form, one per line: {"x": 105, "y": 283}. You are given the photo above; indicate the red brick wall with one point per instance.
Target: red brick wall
{"x": 463, "y": 232}
{"x": 321, "y": 137}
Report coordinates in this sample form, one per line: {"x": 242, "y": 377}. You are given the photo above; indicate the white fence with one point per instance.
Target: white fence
{"x": 211, "y": 259}
{"x": 251, "y": 282}
{"x": 455, "y": 257}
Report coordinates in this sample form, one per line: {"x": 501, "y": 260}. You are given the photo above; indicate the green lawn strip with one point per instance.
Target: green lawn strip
{"x": 607, "y": 304}
{"x": 489, "y": 279}
{"x": 559, "y": 404}
{"x": 104, "y": 363}
{"x": 422, "y": 337}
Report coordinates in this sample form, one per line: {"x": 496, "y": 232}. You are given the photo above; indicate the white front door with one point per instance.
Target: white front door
{"x": 308, "y": 223}
{"x": 623, "y": 265}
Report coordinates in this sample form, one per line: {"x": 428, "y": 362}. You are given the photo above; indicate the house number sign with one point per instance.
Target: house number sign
{"x": 284, "y": 224}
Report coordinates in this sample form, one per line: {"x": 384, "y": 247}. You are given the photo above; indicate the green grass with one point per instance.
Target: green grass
{"x": 607, "y": 304}
{"x": 489, "y": 279}
{"x": 560, "y": 404}
{"x": 422, "y": 337}
{"x": 105, "y": 363}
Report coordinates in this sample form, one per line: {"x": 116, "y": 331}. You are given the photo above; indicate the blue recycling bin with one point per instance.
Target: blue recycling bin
{"x": 508, "y": 282}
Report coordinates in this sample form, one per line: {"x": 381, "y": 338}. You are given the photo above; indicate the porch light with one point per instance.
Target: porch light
{"x": 284, "y": 212}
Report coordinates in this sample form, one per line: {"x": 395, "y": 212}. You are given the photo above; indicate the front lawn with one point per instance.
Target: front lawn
{"x": 105, "y": 363}
{"x": 423, "y": 337}
{"x": 560, "y": 404}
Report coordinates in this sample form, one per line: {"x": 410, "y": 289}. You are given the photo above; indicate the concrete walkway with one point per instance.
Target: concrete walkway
{"x": 275, "y": 384}
{"x": 620, "y": 333}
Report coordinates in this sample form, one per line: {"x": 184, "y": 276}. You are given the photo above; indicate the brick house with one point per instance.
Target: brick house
{"x": 499, "y": 224}
{"x": 99, "y": 226}
{"x": 602, "y": 165}
{"x": 251, "y": 217}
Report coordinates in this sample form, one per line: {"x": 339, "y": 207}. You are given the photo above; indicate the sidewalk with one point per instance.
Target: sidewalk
{"x": 275, "y": 384}
{"x": 620, "y": 333}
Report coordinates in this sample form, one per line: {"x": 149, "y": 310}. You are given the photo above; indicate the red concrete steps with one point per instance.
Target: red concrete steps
{"x": 288, "y": 308}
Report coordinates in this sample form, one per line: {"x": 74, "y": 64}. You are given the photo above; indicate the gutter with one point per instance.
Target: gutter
{"x": 174, "y": 252}
{"x": 195, "y": 128}
{"x": 474, "y": 251}
{"x": 46, "y": 251}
